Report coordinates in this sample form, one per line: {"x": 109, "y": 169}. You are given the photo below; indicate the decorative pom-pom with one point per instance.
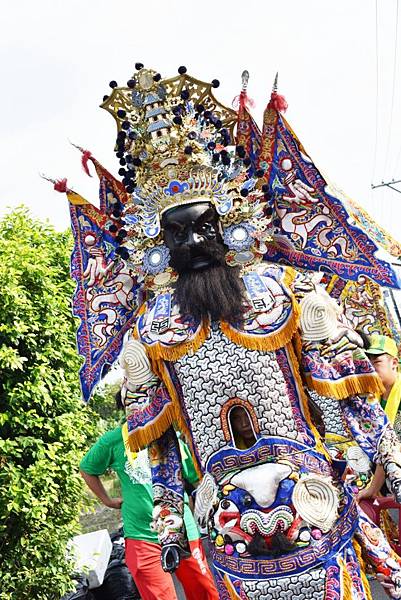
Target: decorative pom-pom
{"x": 215, "y": 83}
{"x": 247, "y": 161}
{"x": 199, "y": 108}
{"x": 122, "y": 233}
{"x": 136, "y": 161}
{"x": 105, "y": 97}
{"x": 132, "y": 135}
{"x": 216, "y": 157}
{"x": 191, "y": 135}
{"x": 125, "y": 125}
{"x": 122, "y": 161}
{"x": 184, "y": 94}
{"x": 226, "y": 160}
{"x": 121, "y": 135}
{"x": 138, "y": 66}
{"x": 268, "y": 211}
{"x": 113, "y": 84}
{"x": 157, "y": 77}
{"x": 120, "y": 154}
{"x": 277, "y": 102}
{"x": 113, "y": 228}
{"x": 121, "y": 113}
{"x": 177, "y": 120}
{"x": 61, "y": 185}
{"x": 188, "y": 149}
{"x": 207, "y": 114}
{"x": 131, "y": 83}
{"x": 130, "y": 188}
{"x": 128, "y": 158}
{"x": 116, "y": 213}
{"x": 218, "y": 124}
{"x": 265, "y": 188}
{"x": 259, "y": 173}
{"x": 182, "y": 70}
{"x": 244, "y": 192}
{"x": 121, "y": 172}
{"x": 211, "y": 145}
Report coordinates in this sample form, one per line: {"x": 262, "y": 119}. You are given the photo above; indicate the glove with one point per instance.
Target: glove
{"x": 170, "y": 557}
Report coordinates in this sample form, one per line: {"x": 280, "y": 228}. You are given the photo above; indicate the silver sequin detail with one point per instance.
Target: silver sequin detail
{"x": 221, "y": 370}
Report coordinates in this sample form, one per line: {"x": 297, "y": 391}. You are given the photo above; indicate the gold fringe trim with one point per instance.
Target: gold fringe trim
{"x": 266, "y": 343}
{"x": 320, "y": 447}
{"x": 289, "y": 278}
{"x": 141, "y": 437}
{"x": 365, "y": 582}
{"x": 348, "y": 386}
{"x": 346, "y": 582}
{"x": 230, "y": 588}
{"x": 175, "y": 352}
{"x": 161, "y": 371}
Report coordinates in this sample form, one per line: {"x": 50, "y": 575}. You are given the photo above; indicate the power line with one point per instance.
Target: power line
{"x": 393, "y": 90}
{"x": 389, "y": 184}
{"x": 377, "y": 93}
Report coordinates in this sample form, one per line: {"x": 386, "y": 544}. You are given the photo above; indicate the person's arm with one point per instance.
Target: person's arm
{"x": 375, "y": 485}
{"x": 95, "y": 484}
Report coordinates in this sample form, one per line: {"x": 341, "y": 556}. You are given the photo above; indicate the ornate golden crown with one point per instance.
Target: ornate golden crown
{"x": 172, "y": 144}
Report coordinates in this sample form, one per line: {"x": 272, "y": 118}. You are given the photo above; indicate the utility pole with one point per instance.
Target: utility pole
{"x": 389, "y": 184}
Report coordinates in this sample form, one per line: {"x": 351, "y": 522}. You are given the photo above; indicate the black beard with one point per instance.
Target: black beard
{"x": 215, "y": 291}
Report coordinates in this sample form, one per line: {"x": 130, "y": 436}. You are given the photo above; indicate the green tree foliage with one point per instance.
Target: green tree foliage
{"x": 44, "y": 426}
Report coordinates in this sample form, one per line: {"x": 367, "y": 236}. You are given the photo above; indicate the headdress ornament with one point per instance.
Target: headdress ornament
{"x": 176, "y": 145}
{"x": 173, "y": 143}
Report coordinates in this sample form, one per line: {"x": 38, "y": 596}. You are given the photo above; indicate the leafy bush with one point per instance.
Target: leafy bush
{"x": 44, "y": 427}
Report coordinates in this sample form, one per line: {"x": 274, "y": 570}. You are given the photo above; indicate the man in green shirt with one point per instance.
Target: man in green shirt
{"x": 142, "y": 547}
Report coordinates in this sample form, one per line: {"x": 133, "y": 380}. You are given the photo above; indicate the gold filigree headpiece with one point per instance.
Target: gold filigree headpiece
{"x": 172, "y": 144}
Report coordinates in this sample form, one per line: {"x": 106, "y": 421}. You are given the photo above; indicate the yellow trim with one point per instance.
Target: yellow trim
{"x": 305, "y": 404}
{"x": 131, "y": 456}
{"x": 346, "y": 581}
{"x": 76, "y": 199}
{"x": 265, "y": 343}
{"x": 175, "y": 352}
{"x": 333, "y": 438}
{"x": 161, "y": 371}
{"x": 393, "y": 401}
{"x": 332, "y": 282}
{"x": 230, "y": 588}
{"x": 365, "y": 583}
{"x": 348, "y": 386}
{"x": 142, "y": 437}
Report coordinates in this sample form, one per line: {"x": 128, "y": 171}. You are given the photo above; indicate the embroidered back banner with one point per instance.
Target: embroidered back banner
{"x": 106, "y": 294}
{"x": 311, "y": 226}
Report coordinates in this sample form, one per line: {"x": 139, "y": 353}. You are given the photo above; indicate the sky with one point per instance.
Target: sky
{"x": 334, "y": 57}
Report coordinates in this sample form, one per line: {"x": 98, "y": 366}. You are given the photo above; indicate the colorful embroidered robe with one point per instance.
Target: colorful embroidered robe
{"x": 206, "y": 369}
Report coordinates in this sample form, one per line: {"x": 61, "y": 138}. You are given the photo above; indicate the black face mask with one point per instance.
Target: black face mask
{"x": 207, "y": 286}
{"x": 188, "y": 233}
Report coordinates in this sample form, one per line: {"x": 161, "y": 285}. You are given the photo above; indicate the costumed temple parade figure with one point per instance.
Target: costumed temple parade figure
{"x": 190, "y": 269}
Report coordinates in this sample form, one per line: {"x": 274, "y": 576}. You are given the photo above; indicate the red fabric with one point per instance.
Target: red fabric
{"x": 143, "y": 561}
{"x": 86, "y": 155}
{"x": 279, "y": 103}
{"x": 61, "y": 185}
{"x": 195, "y": 576}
